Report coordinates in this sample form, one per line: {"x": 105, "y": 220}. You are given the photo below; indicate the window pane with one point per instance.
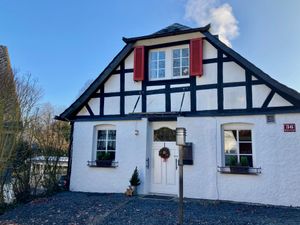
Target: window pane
{"x": 230, "y": 143}
{"x": 111, "y": 135}
{"x": 153, "y": 73}
{"x": 246, "y": 159}
{"x": 185, "y": 71}
{"x": 101, "y": 134}
{"x": 176, "y": 62}
{"x": 162, "y": 55}
{"x": 185, "y": 52}
{"x": 161, "y": 73}
{"x": 153, "y": 65}
{"x": 164, "y": 134}
{"x": 176, "y": 53}
{"x": 161, "y": 64}
{"x": 176, "y": 72}
{"x": 111, "y": 145}
{"x": 185, "y": 62}
{"x": 112, "y": 155}
{"x": 245, "y": 148}
{"x": 153, "y": 55}
{"x": 230, "y": 160}
{"x": 245, "y": 135}
{"x": 101, "y": 145}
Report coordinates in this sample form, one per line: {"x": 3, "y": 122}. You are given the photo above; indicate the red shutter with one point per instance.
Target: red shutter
{"x": 139, "y": 63}
{"x": 196, "y": 57}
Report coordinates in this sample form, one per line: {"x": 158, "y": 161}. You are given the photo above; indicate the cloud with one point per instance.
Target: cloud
{"x": 221, "y": 18}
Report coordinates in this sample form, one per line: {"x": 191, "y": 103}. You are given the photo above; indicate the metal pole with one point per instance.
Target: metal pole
{"x": 180, "y": 164}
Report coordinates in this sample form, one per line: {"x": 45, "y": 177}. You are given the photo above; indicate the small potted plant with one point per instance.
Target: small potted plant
{"x": 135, "y": 181}
{"x": 104, "y": 159}
{"x": 242, "y": 167}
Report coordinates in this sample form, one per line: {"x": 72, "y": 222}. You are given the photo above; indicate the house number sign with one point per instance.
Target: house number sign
{"x": 289, "y": 127}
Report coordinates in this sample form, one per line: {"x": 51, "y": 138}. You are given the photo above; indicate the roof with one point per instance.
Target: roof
{"x": 173, "y": 28}
{"x": 97, "y": 82}
{"x": 176, "y": 29}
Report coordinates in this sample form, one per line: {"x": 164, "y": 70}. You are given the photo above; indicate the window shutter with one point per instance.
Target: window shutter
{"x": 139, "y": 63}
{"x": 196, "y": 57}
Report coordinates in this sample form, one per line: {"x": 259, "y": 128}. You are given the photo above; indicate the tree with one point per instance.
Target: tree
{"x": 28, "y": 95}
{"x": 9, "y": 117}
{"x": 52, "y": 139}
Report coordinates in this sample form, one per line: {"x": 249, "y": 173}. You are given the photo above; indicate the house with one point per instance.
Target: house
{"x": 233, "y": 113}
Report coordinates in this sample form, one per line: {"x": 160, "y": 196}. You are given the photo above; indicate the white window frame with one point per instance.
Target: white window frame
{"x": 237, "y": 127}
{"x": 180, "y": 62}
{"x": 157, "y": 60}
{"x": 106, "y": 128}
{"x": 168, "y": 62}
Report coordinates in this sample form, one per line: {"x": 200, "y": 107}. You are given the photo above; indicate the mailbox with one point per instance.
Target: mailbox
{"x": 188, "y": 154}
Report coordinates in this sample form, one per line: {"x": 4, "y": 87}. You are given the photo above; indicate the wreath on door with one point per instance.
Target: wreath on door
{"x": 164, "y": 153}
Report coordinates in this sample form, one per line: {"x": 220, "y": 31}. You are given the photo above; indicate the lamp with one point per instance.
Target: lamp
{"x": 180, "y": 136}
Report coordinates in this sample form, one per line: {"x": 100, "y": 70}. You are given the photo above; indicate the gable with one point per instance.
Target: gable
{"x": 229, "y": 85}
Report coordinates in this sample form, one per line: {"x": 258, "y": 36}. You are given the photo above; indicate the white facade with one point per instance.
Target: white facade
{"x": 276, "y": 152}
{"x": 230, "y": 93}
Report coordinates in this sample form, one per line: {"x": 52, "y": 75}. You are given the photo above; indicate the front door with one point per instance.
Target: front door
{"x": 164, "y": 178}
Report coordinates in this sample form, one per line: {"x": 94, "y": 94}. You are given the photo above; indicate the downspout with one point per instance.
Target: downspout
{"x": 70, "y": 153}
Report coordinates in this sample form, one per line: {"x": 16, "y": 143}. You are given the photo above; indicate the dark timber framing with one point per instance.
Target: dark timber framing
{"x": 250, "y": 70}
{"x": 220, "y": 81}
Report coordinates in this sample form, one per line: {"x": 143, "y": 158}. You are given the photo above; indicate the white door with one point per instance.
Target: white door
{"x": 164, "y": 172}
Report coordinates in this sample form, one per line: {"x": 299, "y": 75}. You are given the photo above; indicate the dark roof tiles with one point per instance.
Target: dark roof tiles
{"x": 172, "y": 28}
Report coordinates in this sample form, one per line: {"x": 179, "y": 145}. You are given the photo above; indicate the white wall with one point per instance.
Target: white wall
{"x": 131, "y": 152}
{"x": 276, "y": 152}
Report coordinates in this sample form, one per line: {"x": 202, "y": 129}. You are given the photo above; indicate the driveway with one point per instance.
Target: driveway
{"x": 86, "y": 208}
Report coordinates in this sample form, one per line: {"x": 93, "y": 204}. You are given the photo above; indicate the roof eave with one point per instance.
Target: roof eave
{"x": 134, "y": 39}
{"x": 79, "y": 103}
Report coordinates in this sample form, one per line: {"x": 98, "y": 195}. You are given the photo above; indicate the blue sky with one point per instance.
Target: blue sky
{"x": 66, "y": 43}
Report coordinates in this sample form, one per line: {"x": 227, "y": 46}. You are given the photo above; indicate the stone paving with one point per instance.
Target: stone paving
{"x": 74, "y": 208}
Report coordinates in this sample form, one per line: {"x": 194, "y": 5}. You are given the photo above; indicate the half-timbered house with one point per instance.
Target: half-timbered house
{"x": 234, "y": 114}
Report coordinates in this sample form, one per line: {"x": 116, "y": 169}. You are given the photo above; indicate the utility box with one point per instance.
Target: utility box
{"x": 188, "y": 154}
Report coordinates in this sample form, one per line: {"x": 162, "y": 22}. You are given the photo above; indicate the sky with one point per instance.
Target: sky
{"x": 65, "y": 44}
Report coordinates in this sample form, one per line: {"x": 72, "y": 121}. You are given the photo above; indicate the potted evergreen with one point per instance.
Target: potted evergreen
{"x": 135, "y": 181}
{"x": 242, "y": 167}
{"x": 104, "y": 159}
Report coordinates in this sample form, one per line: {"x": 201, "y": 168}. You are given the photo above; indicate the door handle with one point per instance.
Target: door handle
{"x": 176, "y": 163}
{"x": 147, "y": 163}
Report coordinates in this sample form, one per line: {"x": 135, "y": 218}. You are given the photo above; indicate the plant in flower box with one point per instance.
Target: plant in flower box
{"x": 104, "y": 159}
{"x": 241, "y": 167}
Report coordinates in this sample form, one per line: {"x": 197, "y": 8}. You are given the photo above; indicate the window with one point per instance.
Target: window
{"x": 106, "y": 144}
{"x": 157, "y": 64}
{"x": 164, "y": 134}
{"x": 238, "y": 146}
{"x": 169, "y": 63}
{"x": 181, "y": 62}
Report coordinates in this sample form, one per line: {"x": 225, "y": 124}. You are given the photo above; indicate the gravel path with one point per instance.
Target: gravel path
{"x": 115, "y": 209}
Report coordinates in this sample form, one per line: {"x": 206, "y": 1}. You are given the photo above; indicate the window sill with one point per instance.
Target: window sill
{"x": 113, "y": 164}
{"x": 249, "y": 171}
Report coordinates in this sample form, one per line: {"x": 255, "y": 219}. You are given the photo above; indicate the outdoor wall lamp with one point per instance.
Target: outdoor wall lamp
{"x": 180, "y": 136}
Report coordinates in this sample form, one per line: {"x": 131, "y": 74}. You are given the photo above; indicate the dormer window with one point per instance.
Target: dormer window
{"x": 169, "y": 63}
{"x": 181, "y": 62}
{"x": 157, "y": 65}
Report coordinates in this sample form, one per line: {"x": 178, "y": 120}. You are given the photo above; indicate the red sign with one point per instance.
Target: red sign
{"x": 289, "y": 127}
